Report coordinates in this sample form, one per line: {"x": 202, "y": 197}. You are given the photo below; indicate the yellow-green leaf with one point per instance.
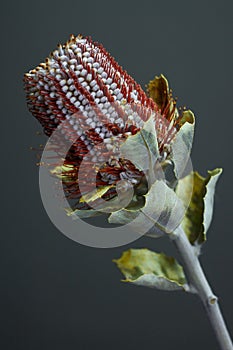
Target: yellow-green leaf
{"x": 186, "y": 117}
{"x": 95, "y": 194}
{"x": 63, "y": 172}
{"x": 147, "y": 268}
{"x": 199, "y": 212}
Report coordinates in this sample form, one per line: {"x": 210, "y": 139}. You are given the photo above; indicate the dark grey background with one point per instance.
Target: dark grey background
{"x": 55, "y": 293}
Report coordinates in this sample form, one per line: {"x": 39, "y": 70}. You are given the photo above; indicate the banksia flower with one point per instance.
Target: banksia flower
{"x": 81, "y": 85}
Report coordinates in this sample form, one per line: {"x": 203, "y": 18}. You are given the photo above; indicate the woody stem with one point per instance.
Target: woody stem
{"x": 197, "y": 281}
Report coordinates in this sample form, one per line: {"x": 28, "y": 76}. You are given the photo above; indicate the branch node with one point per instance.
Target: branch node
{"x": 212, "y": 300}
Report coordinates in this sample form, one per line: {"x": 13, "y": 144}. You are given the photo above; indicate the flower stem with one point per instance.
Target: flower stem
{"x": 200, "y": 285}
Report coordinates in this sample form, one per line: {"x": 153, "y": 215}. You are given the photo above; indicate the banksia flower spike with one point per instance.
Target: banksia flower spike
{"x": 81, "y": 85}
{"x": 134, "y": 148}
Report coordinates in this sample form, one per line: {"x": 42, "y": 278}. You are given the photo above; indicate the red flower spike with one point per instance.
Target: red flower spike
{"x": 78, "y": 82}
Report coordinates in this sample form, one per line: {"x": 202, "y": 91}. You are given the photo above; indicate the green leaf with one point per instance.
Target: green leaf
{"x": 182, "y": 144}
{"x": 95, "y": 194}
{"x": 159, "y": 91}
{"x": 146, "y": 268}
{"x": 123, "y": 217}
{"x": 162, "y": 213}
{"x": 199, "y": 214}
{"x": 142, "y": 148}
{"x": 63, "y": 172}
{"x": 186, "y": 117}
{"x": 137, "y": 203}
{"x": 163, "y": 207}
{"x": 82, "y": 214}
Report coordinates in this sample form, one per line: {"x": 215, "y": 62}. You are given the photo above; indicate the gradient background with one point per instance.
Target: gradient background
{"x": 55, "y": 293}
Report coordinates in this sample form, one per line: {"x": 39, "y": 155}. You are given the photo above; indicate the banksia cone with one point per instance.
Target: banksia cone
{"x": 81, "y": 85}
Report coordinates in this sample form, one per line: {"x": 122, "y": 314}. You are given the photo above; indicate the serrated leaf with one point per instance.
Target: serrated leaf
{"x": 199, "y": 214}
{"x": 162, "y": 213}
{"x": 146, "y": 268}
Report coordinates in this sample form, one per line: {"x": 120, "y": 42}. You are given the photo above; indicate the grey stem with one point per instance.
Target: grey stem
{"x": 198, "y": 282}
